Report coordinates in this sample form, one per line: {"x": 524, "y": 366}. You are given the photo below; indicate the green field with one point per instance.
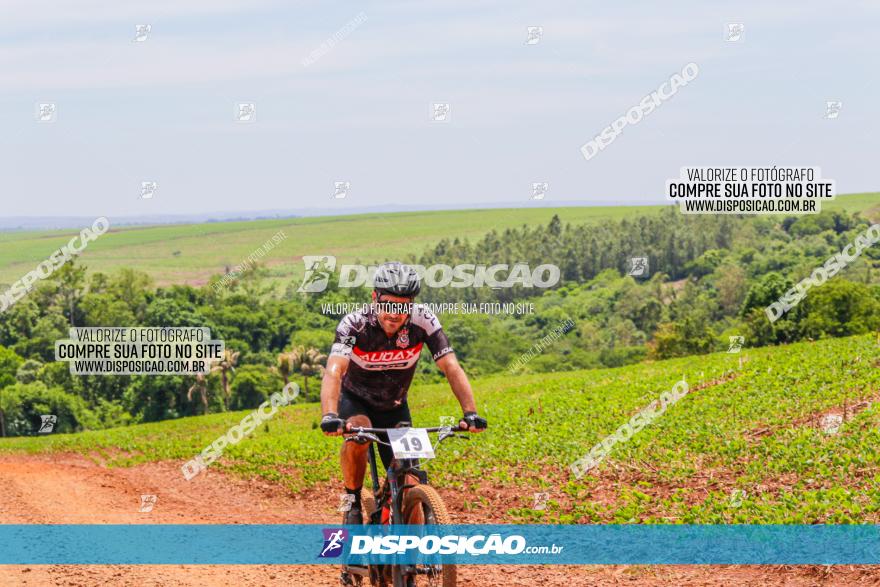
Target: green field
{"x": 752, "y": 423}
{"x": 191, "y": 253}
{"x": 204, "y": 249}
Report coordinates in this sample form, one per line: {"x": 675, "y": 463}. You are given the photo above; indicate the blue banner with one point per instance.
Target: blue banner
{"x": 453, "y": 544}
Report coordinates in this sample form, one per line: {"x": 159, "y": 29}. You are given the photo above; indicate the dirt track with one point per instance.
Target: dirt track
{"x": 71, "y": 489}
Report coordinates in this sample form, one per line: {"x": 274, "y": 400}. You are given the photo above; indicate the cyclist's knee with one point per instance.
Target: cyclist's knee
{"x": 356, "y": 447}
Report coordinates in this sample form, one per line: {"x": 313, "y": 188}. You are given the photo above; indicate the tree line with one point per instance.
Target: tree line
{"x": 708, "y": 279}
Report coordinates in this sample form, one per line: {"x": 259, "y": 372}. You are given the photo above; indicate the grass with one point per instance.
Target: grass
{"x": 192, "y": 253}
{"x": 205, "y": 249}
{"x": 750, "y": 423}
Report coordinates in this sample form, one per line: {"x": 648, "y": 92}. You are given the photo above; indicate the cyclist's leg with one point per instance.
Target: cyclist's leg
{"x": 354, "y": 455}
{"x": 354, "y": 463}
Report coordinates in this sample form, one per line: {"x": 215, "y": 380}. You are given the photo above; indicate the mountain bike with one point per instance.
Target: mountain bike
{"x": 404, "y": 497}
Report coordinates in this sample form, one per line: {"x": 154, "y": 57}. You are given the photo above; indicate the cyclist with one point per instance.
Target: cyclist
{"x": 371, "y": 365}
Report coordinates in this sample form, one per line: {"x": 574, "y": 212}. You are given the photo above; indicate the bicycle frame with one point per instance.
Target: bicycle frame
{"x": 395, "y": 475}
{"x": 395, "y": 480}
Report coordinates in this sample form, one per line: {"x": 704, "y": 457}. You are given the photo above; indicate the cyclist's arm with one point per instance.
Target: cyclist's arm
{"x": 458, "y": 381}
{"x": 331, "y": 384}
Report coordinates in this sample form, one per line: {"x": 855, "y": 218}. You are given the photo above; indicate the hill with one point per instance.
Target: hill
{"x": 771, "y": 435}
{"x": 191, "y": 253}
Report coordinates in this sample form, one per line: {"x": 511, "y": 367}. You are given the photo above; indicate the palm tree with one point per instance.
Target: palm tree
{"x": 201, "y": 385}
{"x": 224, "y": 366}
{"x": 284, "y": 366}
{"x": 309, "y": 362}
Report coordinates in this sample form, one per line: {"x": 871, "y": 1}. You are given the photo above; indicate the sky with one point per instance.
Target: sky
{"x": 345, "y": 92}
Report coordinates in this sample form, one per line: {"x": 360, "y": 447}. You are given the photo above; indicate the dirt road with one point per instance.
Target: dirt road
{"x": 71, "y": 489}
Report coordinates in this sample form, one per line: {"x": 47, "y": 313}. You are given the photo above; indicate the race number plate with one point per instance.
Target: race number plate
{"x": 410, "y": 443}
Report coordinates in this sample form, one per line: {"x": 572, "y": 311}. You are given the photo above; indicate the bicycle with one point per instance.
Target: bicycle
{"x": 402, "y": 501}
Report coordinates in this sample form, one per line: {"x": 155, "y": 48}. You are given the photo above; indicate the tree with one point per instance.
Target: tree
{"x": 284, "y": 366}
{"x": 71, "y": 284}
{"x": 201, "y": 386}
{"x": 731, "y": 284}
{"x": 760, "y": 295}
{"x": 690, "y": 335}
{"x": 309, "y": 363}
{"x": 252, "y": 386}
{"x": 254, "y": 283}
{"x": 241, "y": 319}
{"x": 24, "y": 403}
{"x": 134, "y": 288}
{"x": 31, "y": 328}
{"x": 41, "y": 343}
{"x": 224, "y": 366}
{"x": 764, "y": 292}
{"x": 840, "y": 308}
{"x": 150, "y": 398}
{"x": 319, "y": 338}
{"x": 166, "y": 311}
{"x": 18, "y": 322}
{"x": 28, "y": 371}
{"x": 103, "y": 309}
{"x": 9, "y": 364}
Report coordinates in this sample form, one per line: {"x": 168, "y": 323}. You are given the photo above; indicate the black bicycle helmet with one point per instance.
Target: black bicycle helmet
{"x": 396, "y": 279}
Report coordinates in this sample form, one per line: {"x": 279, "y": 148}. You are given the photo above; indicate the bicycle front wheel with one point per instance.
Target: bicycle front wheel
{"x": 423, "y": 505}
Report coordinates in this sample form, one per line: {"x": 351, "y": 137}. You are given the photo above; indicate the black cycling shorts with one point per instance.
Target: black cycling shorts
{"x": 351, "y": 405}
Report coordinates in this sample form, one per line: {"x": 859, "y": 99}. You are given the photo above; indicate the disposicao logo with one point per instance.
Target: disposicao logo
{"x": 319, "y": 269}
{"x": 334, "y": 539}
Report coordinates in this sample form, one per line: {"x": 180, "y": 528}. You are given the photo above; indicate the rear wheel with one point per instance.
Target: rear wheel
{"x": 423, "y": 505}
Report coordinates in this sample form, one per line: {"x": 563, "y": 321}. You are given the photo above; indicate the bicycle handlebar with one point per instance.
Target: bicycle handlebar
{"x": 371, "y": 434}
{"x": 356, "y": 429}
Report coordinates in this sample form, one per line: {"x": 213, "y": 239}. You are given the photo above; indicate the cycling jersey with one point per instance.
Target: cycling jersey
{"x": 381, "y": 368}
